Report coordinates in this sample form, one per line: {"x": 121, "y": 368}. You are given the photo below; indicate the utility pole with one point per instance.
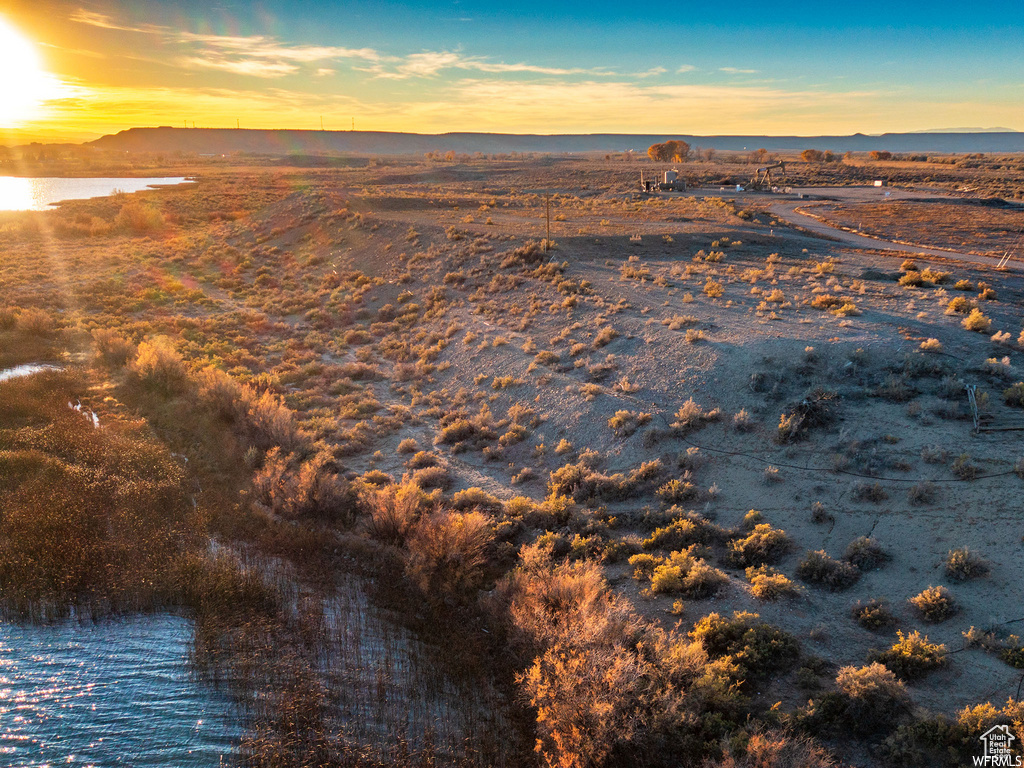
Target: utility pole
{"x": 238, "y": 123}
{"x": 547, "y": 241}
{"x": 353, "y": 123}
{"x": 321, "y": 122}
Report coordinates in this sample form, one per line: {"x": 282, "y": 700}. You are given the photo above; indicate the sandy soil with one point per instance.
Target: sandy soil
{"x": 743, "y": 337}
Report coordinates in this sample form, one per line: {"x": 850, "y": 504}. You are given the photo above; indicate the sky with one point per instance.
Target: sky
{"x": 78, "y": 70}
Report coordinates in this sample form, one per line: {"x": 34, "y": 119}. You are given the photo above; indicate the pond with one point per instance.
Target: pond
{"x": 19, "y": 193}
{"x": 114, "y": 693}
{"x": 28, "y": 369}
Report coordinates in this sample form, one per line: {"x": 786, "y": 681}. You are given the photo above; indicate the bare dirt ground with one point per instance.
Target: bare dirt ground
{"x": 857, "y": 219}
{"x": 979, "y": 228}
{"x": 747, "y": 338}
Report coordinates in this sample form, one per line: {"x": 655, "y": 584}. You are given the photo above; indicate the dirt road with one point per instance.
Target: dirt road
{"x": 800, "y": 213}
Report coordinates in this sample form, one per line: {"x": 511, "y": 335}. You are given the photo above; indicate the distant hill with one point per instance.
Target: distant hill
{"x": 966, "y": 130}
{"x": 282, "y": 142}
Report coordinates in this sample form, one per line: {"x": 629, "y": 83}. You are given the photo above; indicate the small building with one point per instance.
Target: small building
{"x": 671, "y": 182}
{"x": 881, "y": 183}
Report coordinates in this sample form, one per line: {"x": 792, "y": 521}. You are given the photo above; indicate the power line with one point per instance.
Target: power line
{"x": 842, "y": 471}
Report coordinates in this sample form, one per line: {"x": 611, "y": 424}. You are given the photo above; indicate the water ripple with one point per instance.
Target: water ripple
{"x": 117, "y": 693}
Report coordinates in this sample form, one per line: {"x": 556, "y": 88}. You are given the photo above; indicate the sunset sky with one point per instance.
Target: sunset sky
{"x": 75, "y": 71}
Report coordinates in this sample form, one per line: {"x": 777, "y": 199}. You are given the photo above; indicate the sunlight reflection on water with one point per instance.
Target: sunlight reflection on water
{"x": 116, "y": 693}
{"x": 26, "y": 194}
{"x": 28, "y": 369}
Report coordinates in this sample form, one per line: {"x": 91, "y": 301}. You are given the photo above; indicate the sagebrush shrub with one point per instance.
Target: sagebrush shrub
{"x": 911, "y": 656}
{"x": 963, "y": 468}
{"x": 35, "y": 321}
{"x": 767, "y": 583}
{"x": 819, "y": 568}
{"x": 762, "y": 545}
{"x": 874, "y": 696}
{"x": 684, "y": 573}
{"x": 935, "y": 604}
{"x": 158, "y": 366}
{"x": 137, "y": 216}
{"x": 477, "y": 498}
{"x": 112, "y": 349}
{"x": 1014, "y": 395}
{"x": 677, "y": 491}
{"x": 874, "y": 614}
{"x": 390, "y": 512}
{"x": 977, "y": 321}
{"x": 767, "y": 748}
{"x": 691, "y": 416}
{"x": 757, "y": 647}
{"x": 963, "y": 564}
{"x": 294, "y": 489}
{"x": 448, "y": 553}
{"x": 865, "y": 553}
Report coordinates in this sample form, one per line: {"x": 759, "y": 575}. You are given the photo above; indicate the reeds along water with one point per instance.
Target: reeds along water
{"x": 98, "y": 522}
{"x": 342, "y": 678}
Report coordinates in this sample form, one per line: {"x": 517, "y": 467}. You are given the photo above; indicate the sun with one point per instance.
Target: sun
{"x": 24, "y": 85}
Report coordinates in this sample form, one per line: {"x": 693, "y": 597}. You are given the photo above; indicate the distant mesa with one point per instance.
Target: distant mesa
{"x": 283, "y": 142}
{"x": 966, "y": 130}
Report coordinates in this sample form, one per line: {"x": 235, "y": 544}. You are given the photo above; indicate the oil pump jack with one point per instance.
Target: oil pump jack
{"x": 762, "y": 178}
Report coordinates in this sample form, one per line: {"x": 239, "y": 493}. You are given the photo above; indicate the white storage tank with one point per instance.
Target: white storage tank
{"x": 670, "y": 176}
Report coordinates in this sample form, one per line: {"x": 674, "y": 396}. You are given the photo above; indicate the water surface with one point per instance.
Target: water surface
{"x": 28, "y": 369}
{"x": 116, "y": 693}
{"x": 19, "y": 193}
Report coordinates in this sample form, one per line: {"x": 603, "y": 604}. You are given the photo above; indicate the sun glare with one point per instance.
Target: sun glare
{"x": 24, "y": 85}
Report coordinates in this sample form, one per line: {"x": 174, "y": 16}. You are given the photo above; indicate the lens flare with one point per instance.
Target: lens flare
{"x": 24, "y": 85}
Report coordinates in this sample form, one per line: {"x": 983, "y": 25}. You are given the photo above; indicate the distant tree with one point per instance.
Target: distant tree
{"x": 675, "y": 150}
{"x": 709, "y": 154}
{"x": 812, "y": 155}
{"x": 759, "y": 156}
{"x": 876, "y": 154}
{"x": 830, "y": 158}
{"x": 680, "y": 151}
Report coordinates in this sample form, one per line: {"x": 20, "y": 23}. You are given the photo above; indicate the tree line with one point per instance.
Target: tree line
{"x": 678, "y": 151}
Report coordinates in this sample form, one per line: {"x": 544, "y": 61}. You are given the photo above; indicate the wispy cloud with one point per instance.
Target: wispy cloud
{"x": 264, "y": 47}
{"x": 686, "y": 68}
{"x": 101, "y": 20}
{"x": 735, "y": 71}
{"x": 432, "y": 63}
{"x": 76, "y": 51}
{"x": 652, "y": 72}
{"x": 250, "y": 67}
{"x": 268, "y": 57}
{"x": 262, "y": 56}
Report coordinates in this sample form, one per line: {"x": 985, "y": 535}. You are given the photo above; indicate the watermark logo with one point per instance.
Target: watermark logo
{"x": 997, "y": 742}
